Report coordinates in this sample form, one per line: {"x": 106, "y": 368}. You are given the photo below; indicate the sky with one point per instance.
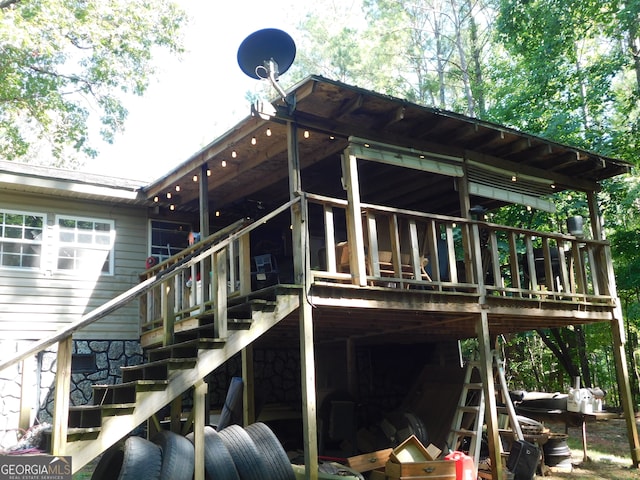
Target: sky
{"x": 196, "y": 99}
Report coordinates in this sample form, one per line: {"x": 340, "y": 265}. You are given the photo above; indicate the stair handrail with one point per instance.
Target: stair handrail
{"x": 138, "y": 290}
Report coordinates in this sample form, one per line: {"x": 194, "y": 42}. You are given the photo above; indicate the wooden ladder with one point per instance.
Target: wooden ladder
{"x": 468, "y": 419}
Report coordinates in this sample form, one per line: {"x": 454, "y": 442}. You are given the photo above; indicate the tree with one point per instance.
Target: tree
{"x": 60, "y": 60}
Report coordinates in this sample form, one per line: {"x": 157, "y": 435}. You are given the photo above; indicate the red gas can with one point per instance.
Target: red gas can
{"x": 465, "y": 469}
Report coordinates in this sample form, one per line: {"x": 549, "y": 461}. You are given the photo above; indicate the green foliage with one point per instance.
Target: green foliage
{"x": 62, "y": 59}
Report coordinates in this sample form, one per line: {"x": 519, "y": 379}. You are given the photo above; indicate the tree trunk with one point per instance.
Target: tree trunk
{"x": 561, "y": 351}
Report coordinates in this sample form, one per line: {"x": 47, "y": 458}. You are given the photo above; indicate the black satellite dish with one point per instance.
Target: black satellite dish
{"x": 261, "y": 48}
{"x": 266, "y": 54}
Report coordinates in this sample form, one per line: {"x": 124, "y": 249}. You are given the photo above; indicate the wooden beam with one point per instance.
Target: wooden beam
{"x": 62, "y": 397}
{"x": 308, "y": 384}
{"x": 622, "y": 371}
{"x": 491, "y": 412}
{"x": 248, "y": 392}
{"x": 355, "y": 232}
{"x": 199, "y": 422}
{"x": 27, "y": 397}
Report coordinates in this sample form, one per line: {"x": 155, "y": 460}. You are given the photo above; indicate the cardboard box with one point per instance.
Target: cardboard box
{"x": 411, "y": 460}
{"x": 369, "y": 461}
{"x": 433, "y": 452}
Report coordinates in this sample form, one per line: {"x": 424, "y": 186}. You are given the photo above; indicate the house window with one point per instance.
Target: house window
{"x": 168, "y": 238}
{"x": 21, "y": 239}
{"x": 85, "y": 245}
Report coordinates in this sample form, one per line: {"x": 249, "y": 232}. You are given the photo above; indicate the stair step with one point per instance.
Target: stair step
{"x": 187, "y": 349}
{"x": 244, "y": 310}
{"x": 85, "y": 416}
{"x": 76, "y": 434}
{"x": 157, "y": 370}
{"x": 207, "y": 330}
{"x": 124, "y": 393}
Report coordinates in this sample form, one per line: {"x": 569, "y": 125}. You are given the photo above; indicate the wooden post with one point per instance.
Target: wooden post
{"x": 355, "y": 234}
{"x": 219, "y": 287}
{"x": 61, "y": 397}
{"x": 491, "y": 412}
{"x": 199, "y": 422}
{"x": 167, "y": 309}
{"x": 248, "y": 392}
{"x": 619, "y": 340}
{"x": 307, "y": 355}
{"x": 465, "y": 212}
{"x": 300, "y": 246}
{"x": 244, "y": 253}
{"x": 176, "y": 414}
{"x": 205, "y": 230}
{"x": 27, "y": 387}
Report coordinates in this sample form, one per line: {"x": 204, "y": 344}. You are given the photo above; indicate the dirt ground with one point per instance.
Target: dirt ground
{"x": 608, "y": 453}
{"x": 607, "y": 450}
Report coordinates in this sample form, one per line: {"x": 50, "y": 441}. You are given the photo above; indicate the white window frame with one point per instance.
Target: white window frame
{"x": 23, "y": 241}
{"x": 101, "y": 242}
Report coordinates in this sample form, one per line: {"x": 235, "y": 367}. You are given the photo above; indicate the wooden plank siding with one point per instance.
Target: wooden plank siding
{"x": 36, "y": 303}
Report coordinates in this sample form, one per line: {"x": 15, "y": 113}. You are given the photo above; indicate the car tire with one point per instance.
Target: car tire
{"x": 132, "y": 459}
{"x": 218, "y": 462}
{"x": 272, "y": 451}
{"x": 246, "y": 457}
{"x": 177, "y": 456}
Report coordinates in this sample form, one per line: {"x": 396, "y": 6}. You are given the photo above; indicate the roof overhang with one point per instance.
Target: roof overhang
{"x": 253, "y": 155}
{"x": 37, "y": 179}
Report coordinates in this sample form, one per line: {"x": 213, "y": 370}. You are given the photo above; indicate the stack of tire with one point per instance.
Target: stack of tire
{"x": 234, "y": 453}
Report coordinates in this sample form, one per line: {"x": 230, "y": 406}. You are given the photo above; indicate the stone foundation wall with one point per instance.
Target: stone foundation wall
{"x": 109, "y": 357}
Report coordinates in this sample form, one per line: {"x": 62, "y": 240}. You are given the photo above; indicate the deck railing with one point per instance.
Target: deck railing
{"x": 410, "y": 249}
{"x": 219, "y": 268}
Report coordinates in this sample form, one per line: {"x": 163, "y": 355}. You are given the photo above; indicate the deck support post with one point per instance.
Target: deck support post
{"x": 199, "y": 422}
{"x": 619, "y": 338}
{"x": 248, "y": 392}
{"x": 624, "y": 387}
{"x": 491, "y": 412}
{"x": 300, "y": 243}
{"x": 307, "y": 365}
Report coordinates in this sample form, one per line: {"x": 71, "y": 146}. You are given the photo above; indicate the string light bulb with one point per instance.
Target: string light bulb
{"x": 514, "y": 178}
{"x": 208, "y": 173}
{"x": 268, "y": 132}
{"x": 195, "y": 178}
{"x": 169, "y": 195}
{"x": 253, "y": 140}
{"x": 172, "y": 207}
{"x": 223, "y": 163}
{"x": 306, "y": 134}
{"x": 177, "y": 188}
{"x": 156, "y": 199}
{"x": 234, "y": 154}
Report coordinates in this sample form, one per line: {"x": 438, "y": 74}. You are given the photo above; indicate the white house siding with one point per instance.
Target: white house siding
{"x": 36, "y": 303}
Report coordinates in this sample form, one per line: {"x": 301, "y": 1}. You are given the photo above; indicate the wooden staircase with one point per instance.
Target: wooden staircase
{"x": 169, "y": 371}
